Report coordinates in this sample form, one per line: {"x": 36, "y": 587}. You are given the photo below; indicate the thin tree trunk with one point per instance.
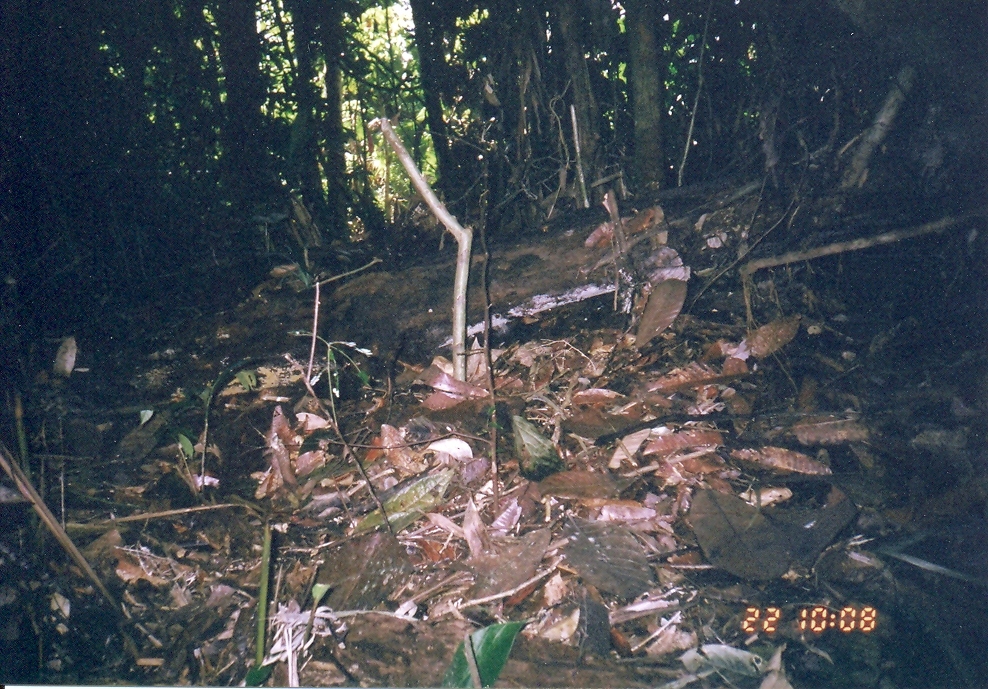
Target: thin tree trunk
{"x": 240, "y": 133}
{"x": 577, "y": 71}
{"x": 647, "y": 93}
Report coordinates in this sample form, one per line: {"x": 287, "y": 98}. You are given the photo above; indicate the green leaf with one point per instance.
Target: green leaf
{"x": 491, "y": 647}
{"x": 318, "y": 592}
{"x": 146, "y": 415}
{"x": 257, "y": 676}
{"x": 537, "y": 456}
{"x": 188, "y": 449}
{"x": 409, "y": 502}
{"x": 247, "y": 380}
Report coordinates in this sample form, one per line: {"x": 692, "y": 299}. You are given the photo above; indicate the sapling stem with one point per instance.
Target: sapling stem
{"x": 464, "y": 242}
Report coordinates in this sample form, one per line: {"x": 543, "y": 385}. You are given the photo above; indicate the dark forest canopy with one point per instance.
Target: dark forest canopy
{"x": 153, "y": 148}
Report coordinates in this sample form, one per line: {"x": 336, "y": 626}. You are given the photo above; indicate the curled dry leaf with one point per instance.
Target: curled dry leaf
{"x": 441, "y": 381}
{"x": 404, "y": 458}
{"x": 693, "y": 375}
{"x": 766, "y": 497}
{"x": 828, "y": 430}
{"x": 625, "y": 512}
{"x": 667, "y": 443}
{"x": 278, "y": 441}
{"x": 627, "y": 447}
{"x": 595, "y": 396}
{"x": 65, "y": 358}
{"x": 772, "y": 337}
{"x": 783, "y": 460}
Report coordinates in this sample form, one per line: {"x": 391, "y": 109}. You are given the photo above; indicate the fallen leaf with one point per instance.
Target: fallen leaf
{"x": 65, "y": 357}
{"x": 537, "y": 456}
{"x": 595, "y": 396}
{"x": 772, "y": 337}
{"x": 783, "y": 460}
{"x": 667, "y": 443}
{"x": 608, "y": 556}
{"x": 828, "y": 430}
{"x": 664, "y": 304}
{"x": 579, "y": 484}
{"x": 738, "y": 538}
{"x": 693, "y": 375}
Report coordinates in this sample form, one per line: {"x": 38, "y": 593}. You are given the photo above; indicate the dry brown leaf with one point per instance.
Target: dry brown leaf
{"x": 278, "y": 441}
{"x": 595, "y": 396}
{"x": 664, "y": 304}
{"x": 781, "y": 459}
{"x": 828, "y": 430}
{"x": 668, "y": 443}
{"x": 405, "y": 459}
{"x": 626, "y": 511}
{"x": 772, "y": 337}
{"x": 627, "y": 447}
{"x": 579, "y": 484}
{"x": 693, "y": 375}
{"x": 475, "y": 532}
{"x": 441, "y": 381}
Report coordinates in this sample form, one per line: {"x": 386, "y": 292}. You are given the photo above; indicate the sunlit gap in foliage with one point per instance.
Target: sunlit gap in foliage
{"x": 381, "y": 77}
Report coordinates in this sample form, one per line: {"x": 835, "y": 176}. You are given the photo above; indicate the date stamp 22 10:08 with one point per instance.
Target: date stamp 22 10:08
{"x": 815, "y": 619}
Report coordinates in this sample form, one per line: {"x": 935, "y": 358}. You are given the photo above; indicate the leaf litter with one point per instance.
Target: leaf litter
{"x": 645, "y": 486}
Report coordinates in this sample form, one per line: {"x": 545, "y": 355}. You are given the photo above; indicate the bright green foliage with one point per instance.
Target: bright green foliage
{"x": 491, "y": 647}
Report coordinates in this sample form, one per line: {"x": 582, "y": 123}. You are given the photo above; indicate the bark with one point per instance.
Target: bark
{"x": 647, "y": 94}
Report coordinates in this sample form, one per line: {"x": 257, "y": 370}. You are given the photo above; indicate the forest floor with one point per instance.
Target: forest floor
{"x": 771, "y": 481}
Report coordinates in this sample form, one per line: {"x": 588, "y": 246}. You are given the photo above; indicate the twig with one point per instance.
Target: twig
{"x": 696, "y": 101}
{"x": 579, "y": 158}
{"x": 485, "y": 280}
{"x": 348, "y": 273}
{"x": 170, "y": 513}
{"x": 857, "y": 244}
{"x": 262, "y": 596}
{"x": 38, "y": 503}
{"x": 464, "y": 241}
{"x": 505, "y": 594}
{"x": 315, "y": 337}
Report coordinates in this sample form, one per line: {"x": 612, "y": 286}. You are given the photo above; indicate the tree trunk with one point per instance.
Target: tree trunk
{"x": 303, "y": 150}
{"x": 568, "y": 13}
{"x": 334, "y": 162}
{"x": 647, "y": 94}
{"x": 432, "y": 64}
{"x": 241, "y": 131}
